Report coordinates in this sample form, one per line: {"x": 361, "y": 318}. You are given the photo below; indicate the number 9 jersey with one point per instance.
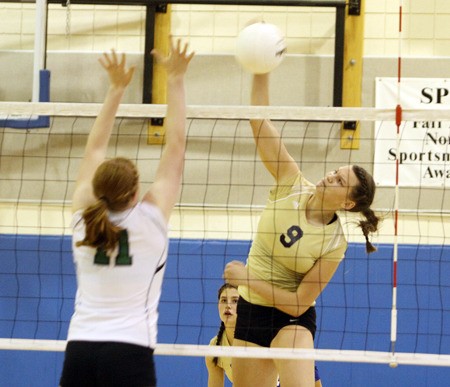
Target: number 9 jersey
{"x": 286, "y": 246}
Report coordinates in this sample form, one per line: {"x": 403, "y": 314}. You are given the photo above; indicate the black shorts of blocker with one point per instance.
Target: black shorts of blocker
{"x": 111, "y": 364}
{"x": 260, "y": 324}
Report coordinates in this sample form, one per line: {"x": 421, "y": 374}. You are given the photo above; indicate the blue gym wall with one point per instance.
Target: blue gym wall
{"x": 38, "y": 286}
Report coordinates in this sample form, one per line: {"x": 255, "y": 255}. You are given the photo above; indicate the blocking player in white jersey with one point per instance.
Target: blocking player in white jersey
{"x": 120, "y": 240}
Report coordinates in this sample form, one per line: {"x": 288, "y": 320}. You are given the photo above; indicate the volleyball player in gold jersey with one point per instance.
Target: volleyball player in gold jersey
{"x": 297, "y": 249}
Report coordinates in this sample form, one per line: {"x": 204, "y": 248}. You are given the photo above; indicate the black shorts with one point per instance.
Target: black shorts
{"x": 260, "y": 324}
{"x": 89, "y": 363}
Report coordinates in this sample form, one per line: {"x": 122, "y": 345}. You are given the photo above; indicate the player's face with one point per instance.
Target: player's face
{"x": 227, "y": 306}
{"x": 337, "y": 185}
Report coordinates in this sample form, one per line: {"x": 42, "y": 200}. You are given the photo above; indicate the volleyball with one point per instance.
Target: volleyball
{"x": 260, "y": 47}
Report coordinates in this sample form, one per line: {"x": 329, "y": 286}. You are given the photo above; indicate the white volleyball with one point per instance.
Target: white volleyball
{"x": 260, "y": 47}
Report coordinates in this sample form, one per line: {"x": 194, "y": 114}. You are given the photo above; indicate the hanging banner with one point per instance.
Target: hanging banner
{"x": 423, "y": 151}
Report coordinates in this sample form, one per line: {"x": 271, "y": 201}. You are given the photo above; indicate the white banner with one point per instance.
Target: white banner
{"x": 423, "y": 153}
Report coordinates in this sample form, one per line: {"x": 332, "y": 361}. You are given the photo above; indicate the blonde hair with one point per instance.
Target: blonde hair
{"x": 115, "y": 184}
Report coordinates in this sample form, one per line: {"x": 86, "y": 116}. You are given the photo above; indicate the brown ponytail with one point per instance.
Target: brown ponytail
{"x": 368, "y": 226}
{"x": 115, "y": 184}
{"x": 363, "y": 195}
{"x": 100, "y": 232}
{"x": 219, "y": 340}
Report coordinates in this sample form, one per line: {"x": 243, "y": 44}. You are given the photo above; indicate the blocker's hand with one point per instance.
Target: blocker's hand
{"x": 177, "y": 61}
{"x": 118, "y": 73}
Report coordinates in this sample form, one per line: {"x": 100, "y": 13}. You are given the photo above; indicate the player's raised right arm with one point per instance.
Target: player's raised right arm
{"x": 271, "y": 148}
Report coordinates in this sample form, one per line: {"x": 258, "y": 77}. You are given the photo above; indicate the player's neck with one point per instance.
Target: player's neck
{"x": 316, "y": 214}
{"x": 230, "y": 335}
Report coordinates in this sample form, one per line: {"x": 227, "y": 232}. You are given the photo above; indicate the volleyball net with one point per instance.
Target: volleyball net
{"x": 224, "y": 189}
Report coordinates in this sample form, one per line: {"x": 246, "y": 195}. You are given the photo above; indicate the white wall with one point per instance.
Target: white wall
{"x": 76, "y": 37}
{"x": 212, "y": 29}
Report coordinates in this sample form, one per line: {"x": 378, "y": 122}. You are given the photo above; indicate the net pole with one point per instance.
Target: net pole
{"x": 398, "y": 121}
{"x": 39, "y": 46}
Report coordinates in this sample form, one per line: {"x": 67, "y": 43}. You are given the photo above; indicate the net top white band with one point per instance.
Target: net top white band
{"x": 12, "y": 110}
{"x": 265, "y": 353}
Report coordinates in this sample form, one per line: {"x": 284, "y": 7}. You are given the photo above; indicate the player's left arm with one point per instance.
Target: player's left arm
{"x": 293, "y": 303}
